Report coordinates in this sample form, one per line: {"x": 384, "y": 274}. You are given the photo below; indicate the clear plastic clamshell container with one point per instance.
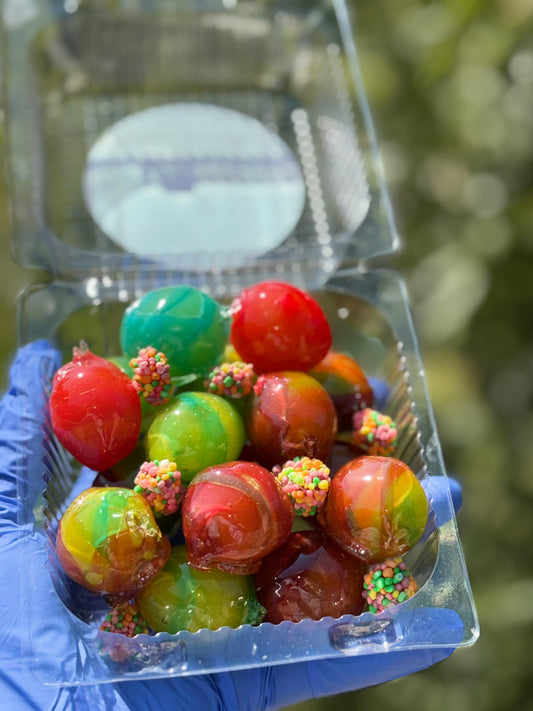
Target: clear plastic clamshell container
{"x": 214, "y": 144}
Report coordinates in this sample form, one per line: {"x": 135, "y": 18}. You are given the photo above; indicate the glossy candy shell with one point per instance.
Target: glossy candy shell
{"x": 344, "y": 379}
{"x": 233, "y": 515}
{"x": 188, "y": 326}
{"x": 376, "y": 508}
{"x": 277, "y": 326}
{"x": 309, "y": 576}
{"x": 95, "y": 411}
{"x": 195, "y": 430}
{"x": 291, "y": 416}
{"x": 181, "y": 597}
{"x": 108, "y": 541}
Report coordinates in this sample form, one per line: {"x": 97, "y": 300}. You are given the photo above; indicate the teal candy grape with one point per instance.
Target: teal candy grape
{"x": 196, "y": 430}
{"x": 188, "y": 326}
{"x": 183, "y": 598}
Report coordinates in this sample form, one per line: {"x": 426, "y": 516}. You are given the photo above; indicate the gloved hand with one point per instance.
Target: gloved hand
{"x": 267, "y": 688}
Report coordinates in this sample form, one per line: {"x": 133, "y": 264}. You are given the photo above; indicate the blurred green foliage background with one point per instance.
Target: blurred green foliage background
{"x": 450, "y": 84}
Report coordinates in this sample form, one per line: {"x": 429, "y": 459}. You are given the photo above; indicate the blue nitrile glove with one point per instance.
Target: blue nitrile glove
{"x": 260, "y": 689}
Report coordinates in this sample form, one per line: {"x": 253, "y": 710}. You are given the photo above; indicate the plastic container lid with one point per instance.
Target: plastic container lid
{"x": 232, "y": 137}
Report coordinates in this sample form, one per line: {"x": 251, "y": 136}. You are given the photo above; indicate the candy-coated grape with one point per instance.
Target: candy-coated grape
{"x": 108, "y": 541}
{"x": 345, "y": 381}
{"x": 195, "y": 430}
{"x": 376, "y": 508}
{"x": 277, "y": 326}
{"x": 181, "y": 597}
{"x": 291, "y": 415}
{"x": 188, "y": 326}
{"x": 309, "y": 576}
{"x": 233, "y": 515}
{"x": 94, "y": 410}
{"x": 340, "y": 373}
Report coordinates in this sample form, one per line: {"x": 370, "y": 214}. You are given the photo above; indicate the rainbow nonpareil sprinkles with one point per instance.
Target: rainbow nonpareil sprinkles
{"x": 159, "y": 482}
{"x": 374, "y": 432}
{"x": 388, "y": 583}
{"x": 306, "y": 481}
{"x": 125, "y": 619}
{"x": 233, "y": 380}
{"x": 152, "y": 375}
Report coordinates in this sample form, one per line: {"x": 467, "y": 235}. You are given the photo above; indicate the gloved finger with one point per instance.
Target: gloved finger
{"x": 427, "y": 626}
{"x": 22, "y": 414}
{"x": 381, "y": 391}
{"x": 205, "y": 692}
{"x": 279, "y": 686}
{"x": 457, "y": 493}
{"x": 445, "y": 495}
{"x": 36, "y": 622}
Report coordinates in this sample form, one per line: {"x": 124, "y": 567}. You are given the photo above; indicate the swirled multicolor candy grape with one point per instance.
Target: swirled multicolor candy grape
{"x": 151, "y": 376}
{"x": 109, "y": 542}
{"x": 234, "y": 514}
{"x": 388, "y": 583}
{"x": 306, "y": 481}
{"x": 376, "y": 508}
{"x": 374, "y": 432}
{"x": 235, "y": 379}
{"x": 159, "y": 483}
{"x": 344, "y": 379}
{"x": 125, "y": 619}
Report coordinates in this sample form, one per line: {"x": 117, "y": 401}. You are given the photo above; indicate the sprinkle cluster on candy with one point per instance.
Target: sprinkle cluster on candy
{"x": 388, "y": 583}
{"x": 125, "y": 619}
{"x": 152, "y": 375}
{"x": 306, "y": 481}
{"x": 159, "y": 482}
{"x": 235, "y": 379}
{"x": 374, "y": 432}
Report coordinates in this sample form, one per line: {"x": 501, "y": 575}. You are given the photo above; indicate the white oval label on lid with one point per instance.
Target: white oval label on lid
{"x": 192, "y": 178}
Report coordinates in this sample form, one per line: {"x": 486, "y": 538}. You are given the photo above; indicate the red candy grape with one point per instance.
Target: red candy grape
{"x": 95, "y": 410}
{"x": 279, "y": 327}
{"x": 309, "y": 576}
{"x": 233, "y": 515}
{"x": 291, "y": 415}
